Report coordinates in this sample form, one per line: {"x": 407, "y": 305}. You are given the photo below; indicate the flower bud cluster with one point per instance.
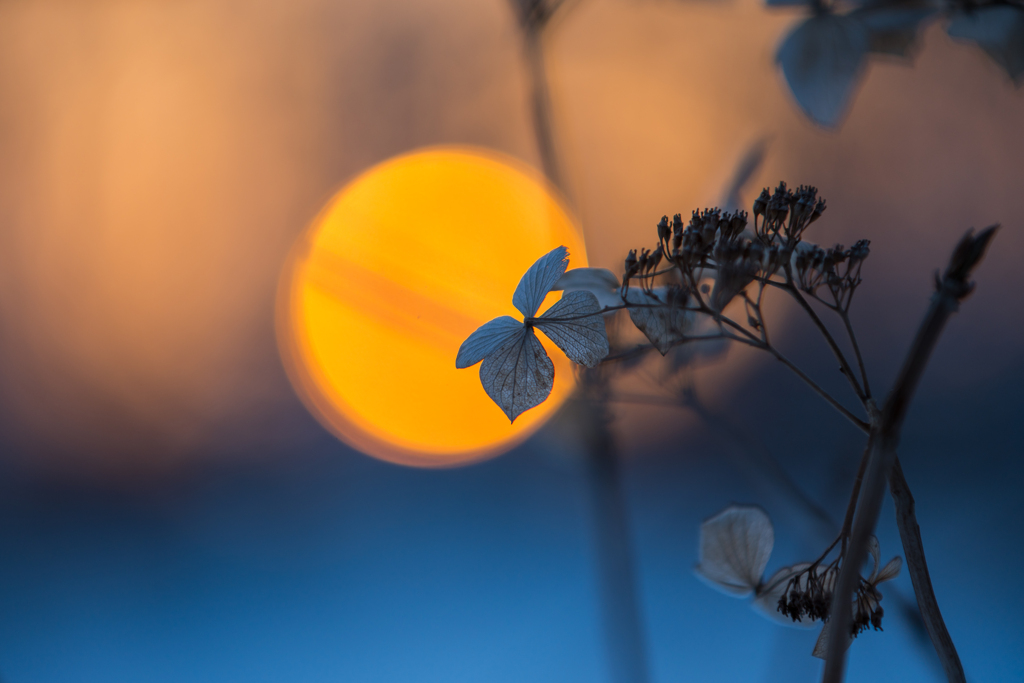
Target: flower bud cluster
{"x": 785, "y": 214}
{"x": 720, "y": 242}
{"x": 690, "y": 246}
{"x": 739, "y": 261}
{"x": 837, "y": 268}
{"x": 809, "y": 594}
{"x": 643, "y": 266}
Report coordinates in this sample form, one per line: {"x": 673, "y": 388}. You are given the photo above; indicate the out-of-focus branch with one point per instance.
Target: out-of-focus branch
{"x": 951, "y": 289}
{"x": 540, "y": 106}
{"x": 913, "y": 548}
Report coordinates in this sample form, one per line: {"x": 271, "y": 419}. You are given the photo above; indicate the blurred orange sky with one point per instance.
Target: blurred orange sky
{"x": 159, "y": 158}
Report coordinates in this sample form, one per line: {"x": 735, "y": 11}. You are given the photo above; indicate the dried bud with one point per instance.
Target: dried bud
{"x": 761, "y": 203}
{"x": 655, "y": 258}
{"x": 631, "y": 267}
{"x": 819, "y": 209}
{"x": 664, "y": 231}
{"x": 737, "y": 223}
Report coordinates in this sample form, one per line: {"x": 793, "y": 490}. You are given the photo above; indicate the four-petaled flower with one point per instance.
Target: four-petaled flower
{"x": 516, "y": 371}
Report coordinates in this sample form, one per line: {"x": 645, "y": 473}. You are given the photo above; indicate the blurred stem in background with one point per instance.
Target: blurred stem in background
{"x": 625, "y": 641}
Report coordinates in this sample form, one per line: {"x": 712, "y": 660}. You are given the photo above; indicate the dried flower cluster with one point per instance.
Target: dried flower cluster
{"x": 678, "y": 293}
{"x": 735, "y": 546}
{"x": 809, "y": 593}
{"x": 694, "y": 271}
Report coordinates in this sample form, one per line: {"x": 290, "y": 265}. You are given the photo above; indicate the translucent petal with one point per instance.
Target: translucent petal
{"x": 600, "y": 282}
{"x": 518, "y": 375}
{"x": 538, "y": 281}
{"x": 576, "y": 325}
{"x": 876, "y": 555}
{"x": 821, "y": 645}
{"x": 890, "y": 571}
{"x": 588, "y": 278}
{"x": 665, "y": 326}
{"x": 734, "y": 548}
{"x": 822, "y": 61}
{"x": 999, "y": 31}
{"x": 487, "y": 338}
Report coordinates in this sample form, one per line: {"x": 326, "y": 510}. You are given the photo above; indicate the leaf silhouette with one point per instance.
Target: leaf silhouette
{"x": 487, "y": 338}
{"x": 665, "y": 324}
{"x": 999, "y": 31}
{"x": 538, "y": 281}
{"x": 822, "y": 60}
{"x": 576, "y": 325}
{"x": 734, "y": 548}
{"x": 516, "y": 371}
{"x": 518, "y": 375}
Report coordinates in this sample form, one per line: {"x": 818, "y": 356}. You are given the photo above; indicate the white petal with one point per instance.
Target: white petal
{"x": 822, "y": 61}
{"x": 890, "y": 571}
{"x": 876, "y": 555}
{"x": 486, "y": 339}
{"x": 734, "y": 548}
{"x": 518, "y": 375}
{"x": 539, "y": 280}
{"x": 598, "y": 281}
{"x": 821, "y": 645}
{"x": 588, "y": 279}
{"x": 576, "y": 325}
{"x": 665, "y": 326}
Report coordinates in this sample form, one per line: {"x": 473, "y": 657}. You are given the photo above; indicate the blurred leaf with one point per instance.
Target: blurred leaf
{"x": 518, "y": 375}
{"x": 893, "y": 28}
{"x": 665, "y": 325}
{"x": 822, "y": 60}
{"x": 734, "y": 548}
{"x": 580, "y": 332}
{"x": 600, "y": 282}
{"x": 487, "y": 338}
{"x": 999, "y": 31}
{"x": 538, "y": 281}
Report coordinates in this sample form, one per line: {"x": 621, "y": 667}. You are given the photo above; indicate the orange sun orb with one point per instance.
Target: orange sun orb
{"x": 402, "y": 265}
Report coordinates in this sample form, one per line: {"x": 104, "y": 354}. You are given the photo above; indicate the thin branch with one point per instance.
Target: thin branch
{"x": 917, "y": 567}
{"x": 836, "y": 351}
{"x": 951, "y": 289}
{"x": 859, "y": 423}
{"x": 540, "y": 106}
{"x": 844, "y": 314}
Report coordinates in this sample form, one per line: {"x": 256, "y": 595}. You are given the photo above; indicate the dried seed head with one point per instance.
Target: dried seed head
{"x": 664, "y": 231}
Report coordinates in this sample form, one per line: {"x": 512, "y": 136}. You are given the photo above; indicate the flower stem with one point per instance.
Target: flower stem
{"x": 885, "y": 435}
